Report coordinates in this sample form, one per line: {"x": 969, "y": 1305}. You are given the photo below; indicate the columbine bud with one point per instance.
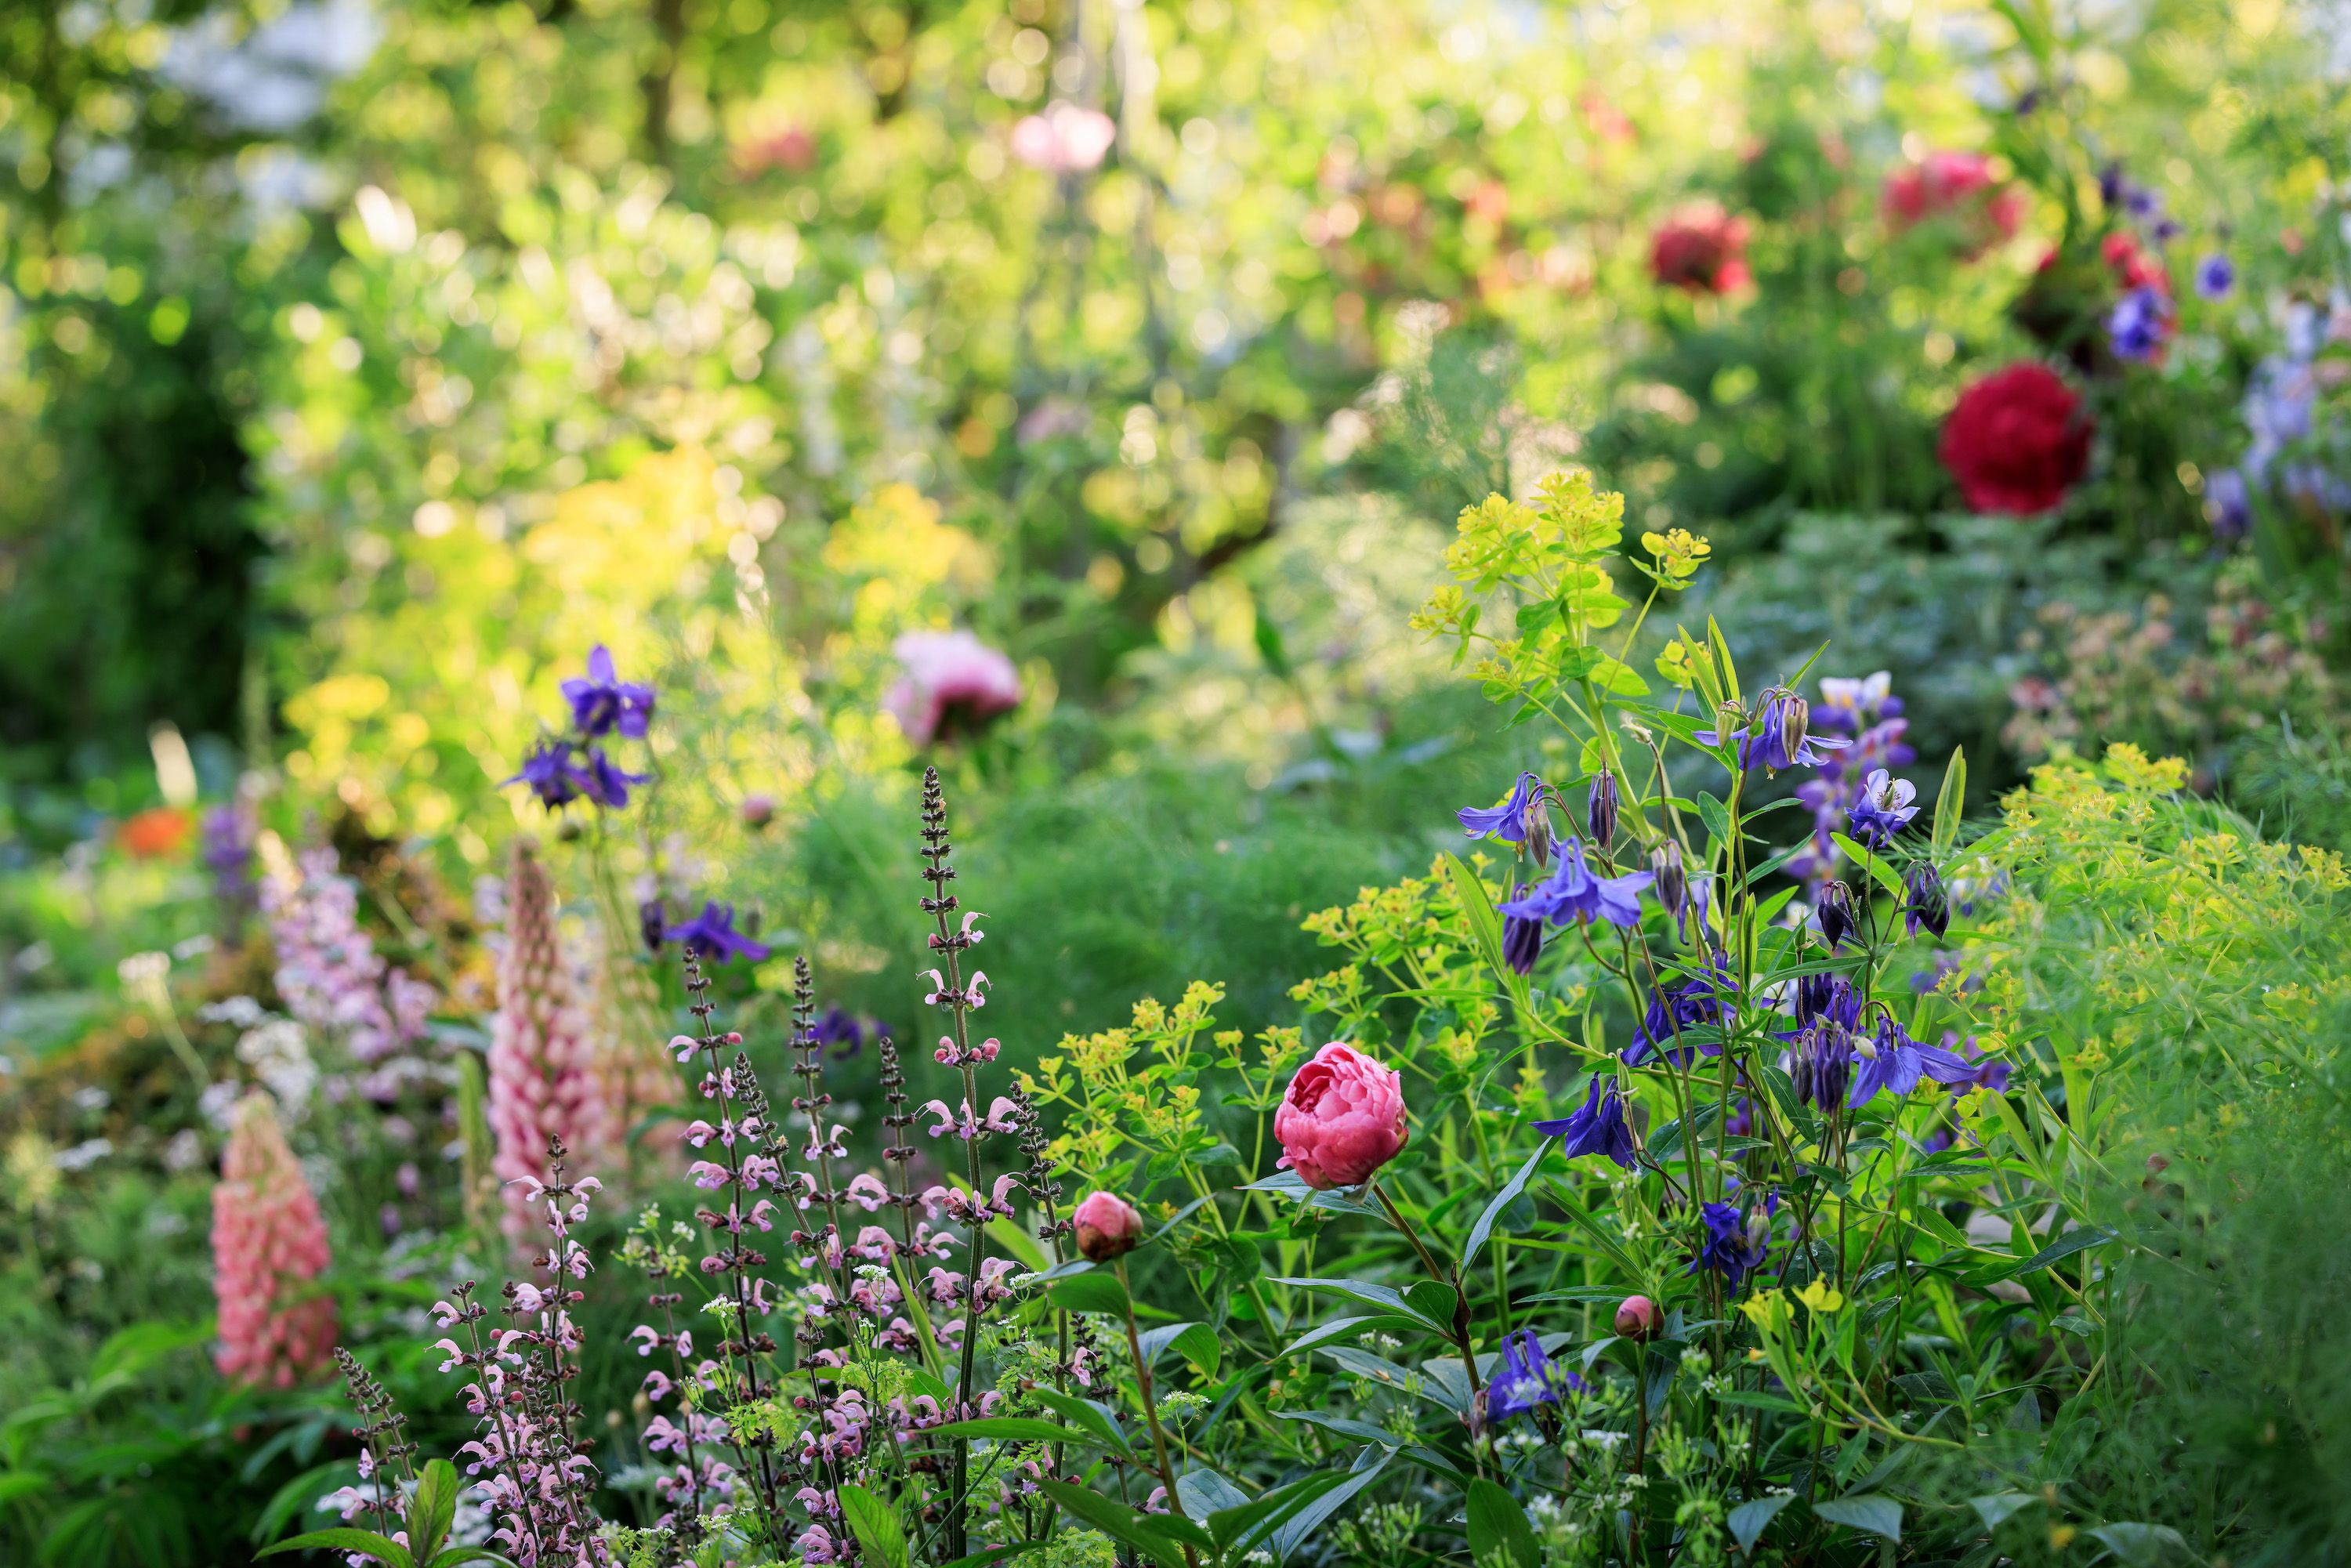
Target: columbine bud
{"x": 1600, "y": 809}
{"x": 1671, "y": 883}
{"x": 1758, "y": 1228}
{"x": 1638, "y": 1318}
{"x": 759, "y": 810}
{"x": 652, "y": 924}
{"x": 1925, "y": 903}
{"x": 1837, "y": 921}
{"x": 1537, "y": 823}
{"x": 1795, "y": 721}
{"x": 1107, "y": 1227}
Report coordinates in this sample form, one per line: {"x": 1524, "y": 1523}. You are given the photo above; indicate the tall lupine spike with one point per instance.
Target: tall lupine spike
{"x": 543, "y": 1081}
{"x": 269, "y": 1245}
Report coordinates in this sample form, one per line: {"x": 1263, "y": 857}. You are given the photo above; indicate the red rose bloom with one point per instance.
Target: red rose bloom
{"x": 2016, "y": 441}
{"x": 1701, "y": 248}
{"x": 1958, "y": 187}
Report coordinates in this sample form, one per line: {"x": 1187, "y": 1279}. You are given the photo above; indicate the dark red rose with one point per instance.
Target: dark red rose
{"x": 1701, "y": 248}
{"x": 2016, "y": 441}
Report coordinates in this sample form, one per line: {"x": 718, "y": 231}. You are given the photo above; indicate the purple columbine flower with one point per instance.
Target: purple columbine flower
{"x": 1597, "y": 1126}
{"x": 1924, "y": 904}
{"x": 835, "y": 1028}
{"x": 1819, "y": 1063}
{"x": 1702, "y": 1002}
{"x": 1892, "y": 1059}
{"x": 2140, "y": 325}
{"x": 1526, "y": 1377}
{"x": 2228, "y": 504}
{"x": 1600, "y": 808}
{"x": 1576, "y": 892}
{"x": 1985, "y": 1071}
{"x": 2216, "y": 275}
{"x": 1780, "y": 736}
{"x": 1836, "y": 914}
{"x": 711, "y": 936}
{"x": 1883, "y": 808}
{"x": 1522, "y": 937}
{"x": 1523, "y": 818}
{"x": 601, "y": 702}
{"x": 1736, "y": 1242}
{"x": 548, "y": 772}
{"x": 606, "y": 782}
{"x": 652, "y": 924}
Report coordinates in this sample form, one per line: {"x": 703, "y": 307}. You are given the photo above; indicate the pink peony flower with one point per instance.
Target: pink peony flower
{"x": 268, "y": 1245}
{"x": 1342, "y": 1118}
{"x": 1064, "y": 140}
{"x": 545, "y": 1079}
{"x": 952, "y": 682}
{"x": 1107, "y": 1227}
{"x": 1702, "y": 249}
{"x": 1957, "y": 186}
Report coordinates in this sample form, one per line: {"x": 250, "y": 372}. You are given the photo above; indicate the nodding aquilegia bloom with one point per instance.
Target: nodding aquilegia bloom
{"x": 1780, "y": 736}
{"x": 1883, "y": 808}
{"x": 711, "y": 936}
{"x": 1526, "y": 1377}
{"x": 1523, "y": 818}
{"x": 1340, "y": 1119}
{"x": 601, "y": 702}
{"x": 1736, "y": 1243}
{"x": 1598, "y": 1126}
{"x": 561, "y": 768}
{"x": 1576, "y": 892}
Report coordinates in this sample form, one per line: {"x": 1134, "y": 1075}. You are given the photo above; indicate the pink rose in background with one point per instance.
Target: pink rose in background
{"x": 952, "y": 682}
{"x": 1107, "y": 1227}
{"x": 1064, "y": 140}
{"x": 1342, "y": 1118}
{"x": 1957, "y": 186}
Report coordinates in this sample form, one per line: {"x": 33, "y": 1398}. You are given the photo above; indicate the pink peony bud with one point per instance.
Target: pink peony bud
{"x": 1342, "y": 1118}
{"x": 1638, "y": 1318}
{"x": 759, "y": 810}
{"x": 1107, "y": 1225}
{"x": 268, "y": 1246}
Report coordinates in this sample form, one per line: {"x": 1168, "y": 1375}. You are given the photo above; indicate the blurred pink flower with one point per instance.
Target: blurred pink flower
{"x": 1960, "y": 187}
{"x": 952, "y": 682}
{"x": 543, "y": 1074}
{"x": 1342, "y": 1118}
{"x": 268, "y": 1246}
{"x": 1701, "y": 248}
{"x": 1064, "y": 140}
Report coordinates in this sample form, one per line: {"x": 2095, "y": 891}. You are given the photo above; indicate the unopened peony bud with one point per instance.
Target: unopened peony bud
{"x": 1107, "y": 1227}
{"x": 1600, "y": 809}
{"x": 1638, "y": 1318}
{"x": 759, "y": 810}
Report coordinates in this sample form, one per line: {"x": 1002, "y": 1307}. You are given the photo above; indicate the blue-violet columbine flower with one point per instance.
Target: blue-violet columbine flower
{"x": 2140, "y": 325}
{"x": 1523, "y": 818}
{"x": 1576, "y": 892}
{"x": 1699, "y": 1005}
{"x": 711, "y": 936}
{"x": 601, "y": 702}
{"x": 1780, "y": 736}
{"x": 1522, "y": 937}
{"x": 549, "y": 773}
{"x": 1598, "y": 1126}
{"x": 1736, "y": 1242}
{"x": 1883, "y": 808}
{"x": 1891, "y": 1060}
{"x": 1924, "y": 904}
{"x": 1526, "y": 1377}
{"x": 2228, "y": 504}
{"x": 2215, "y": 276}
{"x": 606, "y": 782}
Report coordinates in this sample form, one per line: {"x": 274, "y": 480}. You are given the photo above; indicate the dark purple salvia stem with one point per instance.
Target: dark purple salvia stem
{"x": 379, "y": 1431}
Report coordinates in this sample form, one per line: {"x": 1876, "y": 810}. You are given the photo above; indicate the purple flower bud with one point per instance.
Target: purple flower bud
{"x": 1924, "y": 901}
{"x": 1600, "y": 809}
{"x": 1836, "y": 916}
{"x": 1672, "y": 882}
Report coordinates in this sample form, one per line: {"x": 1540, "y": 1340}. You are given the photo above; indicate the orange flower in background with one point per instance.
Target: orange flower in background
{"x": 157, "y": 832}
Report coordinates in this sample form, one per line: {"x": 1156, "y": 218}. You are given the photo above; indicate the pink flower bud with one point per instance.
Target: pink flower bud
{"x": 1107, "y": 1225}
{"x": 759, "y": 810}
{"x": 1638, "y": 1318}
{"x": 1342, "y": 1118}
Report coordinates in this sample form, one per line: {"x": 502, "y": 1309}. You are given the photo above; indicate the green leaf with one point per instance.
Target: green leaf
{"x": 1346, "y": 1427}
{"x": 1722, "y": 649}
{"x": 1117, "y": 1521}
{"x": 2064, "y": 1246}
{"x": 1503, "y": 1200}
{"x": 388, "y": 1552}
{"x": 1365, "y": 1293}
{"x": 1294, "y": 1531}
{"x": 879, "y": 1537}
{"x": 1269, "y": 646}
{"x": 1089, "y": 1414}
{"x": 1477, "y": 908}
{"x": 1205, "y": 1492}
{"x": 1950, "y": 803}
{"x": 1996, "y": 1509}
{"x": 1498, "y": 1532}
{"x": 2143, "y": 1545}
{"x": 1348, "y": 1328}
{"x": 1237, "y": 1530}
{"x": 1877, "y": 1515}
{"x": 434, "y": 1509}
{"x": 1095, "y": 1290}
{"x": 1750, "y": 1519}
{"x": 1879, "y": 871}
{"x": 990, "y": 1556}
{"x": 1196, "y": 1343}
{"x": 456, "y": 1556}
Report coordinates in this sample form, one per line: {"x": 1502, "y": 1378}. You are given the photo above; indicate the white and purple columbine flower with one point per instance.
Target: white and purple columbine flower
{"x": 1598, "y": 1126}
{"x": 601, "y": 702}
{"x": 1525, "y": 1378}
{"x": 1576, "y": 893}
{"x": 1883, "y": 808}
{"x": 2216, "y": 275}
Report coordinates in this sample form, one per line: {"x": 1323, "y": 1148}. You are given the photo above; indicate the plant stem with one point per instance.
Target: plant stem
{"x": 1151, "y": 1404}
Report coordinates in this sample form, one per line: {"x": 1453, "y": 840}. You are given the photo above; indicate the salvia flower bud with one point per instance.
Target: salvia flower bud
{"x": 1107, "y": 1227}
{"x": 1925, "y": 904}
{"x": 1837, "y": 920}
{"x": 1638, "y": 1318}
{"x": 1600, "y": 809}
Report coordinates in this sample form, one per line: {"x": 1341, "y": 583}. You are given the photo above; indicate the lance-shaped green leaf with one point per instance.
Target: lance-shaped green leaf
{"x": 1877, "y": 1515}
{"x": 1380, "y": 1298}
{"x": 879, "y": 1537}
{"x": 1097, "y": 1421}
{"x": 1196, "y": 1343}
{"x": 1500, "y": 1535}
{"x": 1145, "y": 1531}
{"x": 389, "y": 1552}
{"x": 1950, "y": 803}
{"x": 1501, "y": 1200}
{"x": 1750, "y": 1519}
